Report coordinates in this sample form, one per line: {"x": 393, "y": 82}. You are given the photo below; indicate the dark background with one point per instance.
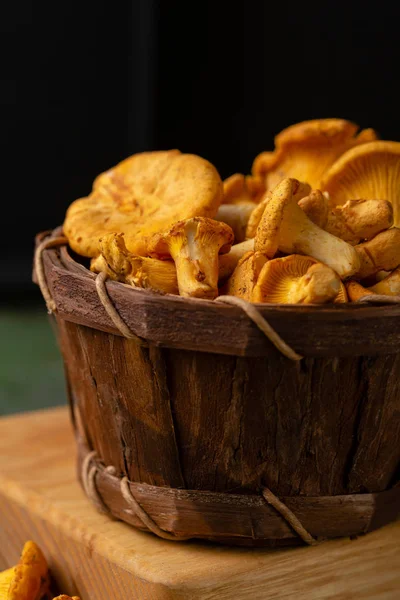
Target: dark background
{"x": 86, "y": 84}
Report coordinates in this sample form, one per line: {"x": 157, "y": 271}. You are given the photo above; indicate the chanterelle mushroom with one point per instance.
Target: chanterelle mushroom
{"x": 30, "y": 579}
{"x": 142, "y": 195}
{"x": 121, "y": 265}
{"x": 239, "y": 188}
{"x": 243, "y": 279}
{"x": 368, "y": 171}
{"x": 296, "y": 279}
{"x": 306, "y": 150}
{"x": 254, "y": 219}
{"x": 194, "y": 245}
{"x": 382, "y": 253}
{"x": 228, "y": 262}
{"x": 285, "y": 227}
{"x": 353, "y": 222}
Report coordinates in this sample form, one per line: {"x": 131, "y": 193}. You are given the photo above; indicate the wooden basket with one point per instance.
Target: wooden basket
{"x": 207, "y": 414}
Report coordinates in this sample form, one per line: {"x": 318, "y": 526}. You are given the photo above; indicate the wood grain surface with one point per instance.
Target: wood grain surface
{"x": 333, "y": 330}
{"x": 219, "y": 423}
{"x": 102, "y": 559}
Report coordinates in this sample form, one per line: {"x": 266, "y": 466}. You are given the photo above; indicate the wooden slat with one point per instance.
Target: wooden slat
{"x": 100, "y": 559}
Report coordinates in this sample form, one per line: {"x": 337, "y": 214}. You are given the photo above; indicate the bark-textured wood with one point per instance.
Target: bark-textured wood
{"x": 202, "y": 325}
{"x": 101, "y": 559}
{"x": 239, "y": 416}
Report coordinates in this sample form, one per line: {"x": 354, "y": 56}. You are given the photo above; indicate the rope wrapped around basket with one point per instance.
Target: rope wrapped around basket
{"x": 92, "y": 468}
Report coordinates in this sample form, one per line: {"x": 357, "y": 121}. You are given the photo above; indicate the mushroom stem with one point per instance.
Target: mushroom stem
{"x": 354, "y": 221}
{"x": 382, "y": 253}
{"x": 285, "y": 227}
{"x": 236, "y": 216}
{"x": 228, "y": 262}
{"x": 194, "y": 246}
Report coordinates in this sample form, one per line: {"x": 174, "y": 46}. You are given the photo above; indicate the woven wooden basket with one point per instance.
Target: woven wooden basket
{"x": 204, "y": 421}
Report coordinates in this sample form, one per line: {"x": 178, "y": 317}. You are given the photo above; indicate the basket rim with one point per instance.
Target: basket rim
{"x": 70, "y": 263}
{"x": 204, "y": 325}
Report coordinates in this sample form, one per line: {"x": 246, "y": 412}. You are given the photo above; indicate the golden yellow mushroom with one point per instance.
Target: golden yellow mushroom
{"x": 142, "y": 195}
{"x": 228, "y": 262}
{"x": 306, "y": 150}
{"x": 114, "y": 258}
{"x": 236, "y": 215}
{"x": 243, "y": 279}
{"x": 382, "y": 253}
{"x": 254, "y": 219}
{"x": 239, "y": 188}
{"x": 368, "y": 171}
{"x": 30, "y": 579}
{"x": 194, "y": 245}
{"x": 389, "y": 286}
{"x": 353, "y": 222}
{"x": 296, "y": 279}
{"x": 6, "y": 578}
{"x": 285, "y": 227}
{"x": 64, "y": 597}
{"x": 355, "y": 291}
{"x": 139, "y": 271}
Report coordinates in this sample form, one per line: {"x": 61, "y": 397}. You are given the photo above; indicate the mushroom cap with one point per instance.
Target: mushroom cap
{"x": 243, "y": 279}
{"x": 114, "y": 258}
{"x": 267, "y": 235}
{"x": 281, "y": 280}
{"x": 306, "y": 150}
{"x": 355, "y": 291}
{"x": 206, "y": 231}
{"x": 255, "y": 217}
{"x": 238, "y": 188}
{"x": 382, "y": 253}
{"x": 389, "y": 285}
{"x": 30, "y": 579}
{"x": 371, "y": 171}
{"x": 142, "y": 195}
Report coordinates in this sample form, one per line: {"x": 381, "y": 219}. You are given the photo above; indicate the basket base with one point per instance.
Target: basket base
{"x": 97, "y": 558}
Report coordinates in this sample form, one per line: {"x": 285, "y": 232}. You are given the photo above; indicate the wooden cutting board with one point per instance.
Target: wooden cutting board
{"x": 101, "y": 559}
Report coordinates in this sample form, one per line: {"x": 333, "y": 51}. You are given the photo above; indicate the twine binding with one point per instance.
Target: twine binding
{"x": 289, "y": 517}
{"x": 112, "y": 311}
{"x": 262, "y": 324}
{"x": 88, "y": 477}
{"x": 39, "y": 269}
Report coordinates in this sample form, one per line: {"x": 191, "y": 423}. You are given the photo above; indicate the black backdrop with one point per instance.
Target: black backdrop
{"x": 85, "y": 84}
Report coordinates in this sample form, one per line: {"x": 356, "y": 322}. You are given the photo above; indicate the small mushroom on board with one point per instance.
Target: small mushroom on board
{"x": 30, "y": 578}
{"x": 243, "y": 279}
{"x": 371, "y": 170}
{"x": 284, "y": 226}
{"x": 194, "y": 245}
{"x": 382, "y": 253}
{"x": 306, "y": 150}
{"x": 353, "y": 222}
{"x": 297, "y": 279}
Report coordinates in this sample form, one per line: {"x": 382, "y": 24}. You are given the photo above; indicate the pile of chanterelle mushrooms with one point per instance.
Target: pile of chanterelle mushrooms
{"x": 29, "y": 579}
{"x": 313, "y": 223}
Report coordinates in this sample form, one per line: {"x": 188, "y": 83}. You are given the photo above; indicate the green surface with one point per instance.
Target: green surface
{"x": 31, "y": 370}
